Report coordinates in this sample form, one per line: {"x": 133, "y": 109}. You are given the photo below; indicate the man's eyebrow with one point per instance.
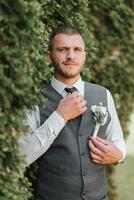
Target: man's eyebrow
{"x": 62, "y": 47}
{"x": 78, "y": 47}
{"x": 65, "y": 47}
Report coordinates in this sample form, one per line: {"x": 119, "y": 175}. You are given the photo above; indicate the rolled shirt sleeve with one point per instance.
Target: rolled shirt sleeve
{"x": 40, "y": 138}
{"x": 114, "y": 131}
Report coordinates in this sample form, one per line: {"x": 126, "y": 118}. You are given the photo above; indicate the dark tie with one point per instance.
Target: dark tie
{"x": 71, "y": 90}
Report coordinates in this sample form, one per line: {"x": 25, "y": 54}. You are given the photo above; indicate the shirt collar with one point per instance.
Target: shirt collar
{"x": 59, "y": 86}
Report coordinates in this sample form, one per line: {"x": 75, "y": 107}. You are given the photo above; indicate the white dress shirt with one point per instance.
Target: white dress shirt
{"x": 37, "y": 142}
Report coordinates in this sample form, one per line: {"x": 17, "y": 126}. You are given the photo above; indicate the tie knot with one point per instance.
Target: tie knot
{"x": 70, "y": 90}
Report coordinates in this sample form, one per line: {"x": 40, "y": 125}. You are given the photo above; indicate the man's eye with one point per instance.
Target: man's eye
{"x": 78, "y": 49}
{"x": 62, "y": 49}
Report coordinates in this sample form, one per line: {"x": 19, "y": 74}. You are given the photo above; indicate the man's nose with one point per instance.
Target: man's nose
{"x": 70, "y": 54}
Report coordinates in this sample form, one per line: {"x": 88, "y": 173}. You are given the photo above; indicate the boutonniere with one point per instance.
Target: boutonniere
{"x": 100, "y": 116}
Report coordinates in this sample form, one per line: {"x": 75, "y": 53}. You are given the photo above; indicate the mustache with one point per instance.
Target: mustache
{"x": 70, "y": 62}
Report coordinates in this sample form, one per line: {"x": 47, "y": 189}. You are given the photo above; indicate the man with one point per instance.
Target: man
{"x": 71, "y": 162}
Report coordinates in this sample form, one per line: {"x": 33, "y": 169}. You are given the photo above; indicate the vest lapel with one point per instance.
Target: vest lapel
{"x": 86, "y": 118}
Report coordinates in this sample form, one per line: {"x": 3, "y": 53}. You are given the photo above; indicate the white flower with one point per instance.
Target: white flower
{"x": 100, "y": 116}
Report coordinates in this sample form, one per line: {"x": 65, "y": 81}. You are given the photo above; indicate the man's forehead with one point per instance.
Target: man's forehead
{"x": 67, "y": 40}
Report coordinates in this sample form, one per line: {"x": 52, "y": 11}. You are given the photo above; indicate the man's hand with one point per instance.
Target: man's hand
{"x": 103, "y": 151}
{"x": 71, "y": 106}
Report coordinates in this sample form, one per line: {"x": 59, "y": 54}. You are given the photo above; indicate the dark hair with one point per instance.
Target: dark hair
{"x": 68, "y": 30}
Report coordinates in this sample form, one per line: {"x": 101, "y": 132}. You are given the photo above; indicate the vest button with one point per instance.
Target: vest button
{"x": 83, "y": 175}
{"x": 83, "y": 195}
{"x": 80, "y": 134}
{"x": 82, "y": 153}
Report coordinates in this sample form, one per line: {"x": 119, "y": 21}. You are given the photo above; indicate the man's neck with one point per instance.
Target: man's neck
{"x": 67, "y": 81}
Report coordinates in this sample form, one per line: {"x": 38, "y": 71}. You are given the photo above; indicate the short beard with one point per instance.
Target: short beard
{"x": 64, "y": 73}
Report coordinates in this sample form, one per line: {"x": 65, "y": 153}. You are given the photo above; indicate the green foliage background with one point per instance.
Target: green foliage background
{"x": 108, "y": 29}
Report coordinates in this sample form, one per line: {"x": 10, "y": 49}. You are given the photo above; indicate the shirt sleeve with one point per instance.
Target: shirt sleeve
{"x": 114, "y": 131}
{"x": 40, "y": 138}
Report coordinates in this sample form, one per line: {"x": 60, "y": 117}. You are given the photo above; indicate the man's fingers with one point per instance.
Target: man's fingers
{"x": 83, "y": 109}
{"x": 79, "y": 99}
{"x": 95, "y": 150}
{"x": 102, "y": 140}
{"x": 84, "y": 103}
{"x": 97, "y": 161}
{"x": 100, "y": 145}
{"x": 95, "y": 157}
{"x": 76, "y": 94}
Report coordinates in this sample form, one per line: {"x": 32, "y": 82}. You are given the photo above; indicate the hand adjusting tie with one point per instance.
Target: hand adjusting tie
{"x": 71, "y": 90}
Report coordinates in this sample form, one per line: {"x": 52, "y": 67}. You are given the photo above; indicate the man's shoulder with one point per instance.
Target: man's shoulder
{"x": 96, "y": 93}
{"x": 94, "y": 86}
{"x": 46, "y": 87}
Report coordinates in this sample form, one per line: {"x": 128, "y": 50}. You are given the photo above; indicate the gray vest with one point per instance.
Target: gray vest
{"x": 66, "y": 171}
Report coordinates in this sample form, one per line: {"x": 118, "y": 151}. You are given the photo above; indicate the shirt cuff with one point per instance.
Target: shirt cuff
{"x": 119, "y": 162}
{"x": 122, "y": 159}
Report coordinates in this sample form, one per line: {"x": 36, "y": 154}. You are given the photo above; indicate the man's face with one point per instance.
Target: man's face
{"x": 68, "y": 55}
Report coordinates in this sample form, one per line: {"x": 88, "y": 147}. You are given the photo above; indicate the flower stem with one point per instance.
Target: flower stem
{"x": 96, "y": 129}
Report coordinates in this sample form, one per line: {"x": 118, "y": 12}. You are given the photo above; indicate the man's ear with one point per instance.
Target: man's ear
{"x": 85, "y": 54}
{"x": 49, "y": 57}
